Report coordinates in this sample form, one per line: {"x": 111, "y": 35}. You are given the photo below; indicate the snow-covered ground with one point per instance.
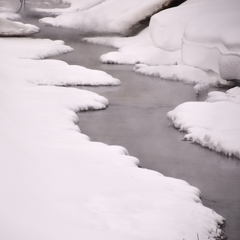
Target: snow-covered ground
{"x": 214, "y": 123}
{"x": 56, "y": 184}
{"x": 103, "y": 16}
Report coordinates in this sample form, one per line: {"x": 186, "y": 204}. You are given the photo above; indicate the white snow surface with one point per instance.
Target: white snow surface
{"x": 213, "y": 124}
{"x": 213, "y": 48}
{"x": 108, "y": 16}
{"x": 178, "y": 45}
{"x": 18, "y": 51}
{"x": 75, "y": 5}
{"x": 136, "y": 49}
{"x": 10, "y": 28}
{"x": 9, "y": 15}
{"x": 56, "y": 184}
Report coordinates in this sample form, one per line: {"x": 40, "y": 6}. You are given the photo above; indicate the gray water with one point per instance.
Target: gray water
{"x": 136, "y": 119}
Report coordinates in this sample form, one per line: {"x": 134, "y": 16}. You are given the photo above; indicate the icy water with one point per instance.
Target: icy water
{"x": 136, "y": 119}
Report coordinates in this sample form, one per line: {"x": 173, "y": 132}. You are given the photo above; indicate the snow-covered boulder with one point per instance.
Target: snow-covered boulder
{"x": 10, "y": 28}
{"x": 207, "y": 32}
{"x": 109, "y": 16}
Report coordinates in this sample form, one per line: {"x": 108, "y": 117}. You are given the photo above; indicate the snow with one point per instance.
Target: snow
{"x": 75, "y": 5}
{"x": 10, "y": 28}
{"x": 66, "y": 74}
{"x": 132, "y": 50}
{"x": 57, "y": 184}
{"x": 213, "y": 124}
{"x": 26, "y": 48}
{"x": 188, "y": 74}
{"x": 177, "y": 45}
{"x": 214, "y": 48}
{"x": 107, "y": 16}
{"x": 9, "y": 15}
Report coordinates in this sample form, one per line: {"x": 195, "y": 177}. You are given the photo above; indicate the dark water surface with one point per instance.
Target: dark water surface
{"x": 136, "y": 119}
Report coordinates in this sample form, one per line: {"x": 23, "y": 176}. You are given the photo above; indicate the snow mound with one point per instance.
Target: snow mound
{"x": 50, "y": 72}
{"x": 32, "y": 48}
{"x": 132, "y": 50}
{"x": 213, "y": 124}
{"x": 9, "y": 15}
{"x": 187, "y": 74}
{"x": 75, "y": 5}
{"x": 10, "y": 28}
{"x": 178, "y": 46}
{"x": 215, "y": 48}
{"x": 55, "y": 72}
{"x": 108, "y": 16}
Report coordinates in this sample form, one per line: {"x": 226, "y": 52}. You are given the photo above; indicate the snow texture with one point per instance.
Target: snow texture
{"x": 10, "y": 28}
{"x": 213, "y": 124}
{"x": 75, "y": 5}
{"x": 105, "y": 16}
{"x": 188, "y": 74}
{"x": 214, "y": 48}
{"x": 56, "y": 184}
{"x": 178, "y": 46}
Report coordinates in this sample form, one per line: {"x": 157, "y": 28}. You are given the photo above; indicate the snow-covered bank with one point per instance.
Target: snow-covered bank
{"x": 105, "y": 16}
{"x": 214, "y": 48}
{"x": 213, "y": 124}
{"x": 56, "y": 184}
{"x": 10, "y": 28}
{"x": 48, "y": 71}
{"x": 178, "y": 46}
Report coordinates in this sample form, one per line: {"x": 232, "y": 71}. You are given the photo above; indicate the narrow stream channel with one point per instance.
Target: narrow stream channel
{"x": 136, "y": 119}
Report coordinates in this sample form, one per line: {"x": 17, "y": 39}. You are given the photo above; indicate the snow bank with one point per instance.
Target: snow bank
{"x": 214, "y": 48}
{"x": 136, "y": 49}
{"x": 53, "y": 72}
{"x": 10, "y": 28}
{"x": 56, "y": 184}
{"x": 187, "y": 74}
{"x": 32, "y": 48}
{"x": 108, "y": 16}
{"x": 178, "y": 45}
{"x": 9, "y": 15}
{"x": 213, "y": 124}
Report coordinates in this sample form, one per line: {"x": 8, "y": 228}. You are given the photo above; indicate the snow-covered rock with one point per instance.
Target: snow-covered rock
{"x": 207, "y": 32}
{"x": 106, "y": 16}
{"x": 178, "y": 45}
{"x": 75, "y": 5}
